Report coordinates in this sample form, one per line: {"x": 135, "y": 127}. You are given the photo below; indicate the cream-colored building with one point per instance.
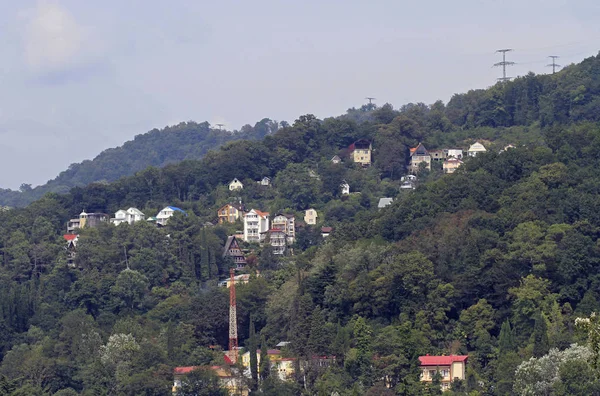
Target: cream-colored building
{"x": 310, "y": 216}
{"x": 284, "y": 367}
{"x": 287, "y": 224}
{"x": 450, "y": 368}
{"x": 475, "y": 149}
{"x": 361, "y": 152}
{"x": 450, "y": 165}
{"x": 419, "y": 155}
{"x": 255, "y": 224}
{"x": 235, "y": 184}
{"x": 230, "y": 213}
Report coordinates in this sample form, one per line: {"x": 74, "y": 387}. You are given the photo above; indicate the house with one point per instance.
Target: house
{"x": 233, "y": 384}
{"x": 450, "y": 368}
{"x": 451, "y": 164}
{"x": 383, "y": 202}
{"x": 455, "y": 152}
{"x": 90, "y": 220}
{"x": 232, "y": 249}
{"x": 345, "y": 187}
{"x": 407, "y": 185}
{"x": 475, "y": 149}
{"x": 238, "y": 279}
{"x": 325, "y": 231}
{"x": 336, "y": 159}
{"x": 163, "y": 216}
{"x": 411, "y": 178}
{"x": 438, "y": 155}
{"x": 284, "y": 367}
{"x": 287, "y": 224}
{"x": 235, "y": 184}
{"x": 277, "y": 239}
{"x": 71, "y": 248}
{"x": 419, "y": 155}
{"x": 310, "y": 216}
{"x": 129, "y": 216}
{"x": 265, "y": 181}
{"x": 360, "y": 152}
{"x": 230, "y": 213}
{"x": 255, "y": 224}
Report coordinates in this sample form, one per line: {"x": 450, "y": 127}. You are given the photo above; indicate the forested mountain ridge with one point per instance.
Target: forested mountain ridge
{"x": 494, "y": 261}
{"x": 184, "y": 141}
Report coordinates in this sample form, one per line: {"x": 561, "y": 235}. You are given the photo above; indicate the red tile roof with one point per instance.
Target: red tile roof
{"x": 69, "y": 237}
{"x": 441, "y": 360}
{"x": 184, "y": 370}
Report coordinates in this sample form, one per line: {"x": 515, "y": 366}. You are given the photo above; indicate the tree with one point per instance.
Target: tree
{"x": 541, "y": 344}
{"x": 130, "y": 287}
{"x": 252, "y": 347}
{"x": 506, "y": 339}
{"x": 265, "y": 362}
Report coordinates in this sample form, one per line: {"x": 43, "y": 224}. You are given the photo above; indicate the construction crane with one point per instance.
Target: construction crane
{"x": 233, "y": 336}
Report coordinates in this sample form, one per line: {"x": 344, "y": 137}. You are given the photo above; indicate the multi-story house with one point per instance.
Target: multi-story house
{"x": 310, "y": 216}
{"x": 475, "y": 149}
{"x": 129, "y": 216}
{"x": 89, "y": 220}
{"x": 361, "y": 152}
{"x": 230, "y": 213}
{"x": 438, "y": 155}
{"x": 235, "y": 184}
{"x": 451, "y": 164}
{"x": 455, "y": 152}
{"x": 277, "y": 239}
{"x": 255, "y": 224}
{"x": 287, "y": 224}
{"x": 232, "y": 249}
{"x": 284, "y": 367}
{"x": 419, "y": 155}
{"x": 449, "y": 367}
{"x": 164, "y": 215}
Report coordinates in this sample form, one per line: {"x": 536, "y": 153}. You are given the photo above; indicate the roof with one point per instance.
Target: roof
{"x": 176, "y": 209}
{"x": 258, "y": 212}
{"x": 326, "y": 229}
{"x": 383, "y": 202}
{"x": 441, "y": 360}
{"x": 419, "y": 150}
{"x": 452, "y": 159}
{"x": 135, "y": 211}
{"x": 228, "y": 243}
{"x": 184, "y": 370}
{"x": 70, "y": 237}
{"x": 286, "y": 215}
{"x": 477, "y": 147}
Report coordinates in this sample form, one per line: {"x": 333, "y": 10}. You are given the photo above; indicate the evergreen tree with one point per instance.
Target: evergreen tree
{"x": 318, "y": 341}
{"x": 541, "y": 344}
{"x": 252, "y": 347}
{"x": 265, "y": 363}
{"x": 506, "y": 340}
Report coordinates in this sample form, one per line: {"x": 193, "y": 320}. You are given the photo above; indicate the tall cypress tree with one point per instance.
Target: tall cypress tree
{"x": 541, "y": 344}
{"x": 265, "y": 363}
{"x": 253, "y": 346}
{"x": 506, "y": 340}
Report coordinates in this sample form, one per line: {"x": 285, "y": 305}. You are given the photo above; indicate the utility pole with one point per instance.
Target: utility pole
{"x": 504, "y": 63}
{"x": 220, "y": 126}
{"x": 553, "y": 64}
{"x": 233, "y": 336}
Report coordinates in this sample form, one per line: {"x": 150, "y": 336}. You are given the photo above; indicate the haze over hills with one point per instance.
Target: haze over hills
{"x": 185, "y": 141}
{"x": 491, "y": 264}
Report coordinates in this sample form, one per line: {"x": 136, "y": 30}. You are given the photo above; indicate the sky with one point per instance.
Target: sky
{"x": 77, "y": 77}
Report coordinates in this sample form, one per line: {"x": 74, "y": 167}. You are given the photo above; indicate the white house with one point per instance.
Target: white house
{"x": 130, "y": 216}
{"x": 310, "y": 216}
{"x": 236, "y": 185}
{"x": 345, "y": 188}
{"x": 407, "y": 185}
{"x": 412, "y": 178}
{"x": 265, "y": 181}
{"x": 336, "y": 159}
{"x": 475, "y": 149}
{"x": 383, "y": 202}
{"x": 456, "y": 153}
{"x": 163, "y": 216}
{"x": 255, "y": 223}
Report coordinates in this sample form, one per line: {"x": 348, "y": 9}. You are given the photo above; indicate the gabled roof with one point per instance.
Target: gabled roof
{"x": 135, "y": 211}
{"x": 419, "y": 150}
{"x": 477, "y": 147}
{"x": 326, "y": 229}
{"x": 258, "y": 212}
{"x": 70, "y": 237}
{"x": 286, "y": 215}
{"x": 441, "y": 360}
{"x": 228, "y": 243}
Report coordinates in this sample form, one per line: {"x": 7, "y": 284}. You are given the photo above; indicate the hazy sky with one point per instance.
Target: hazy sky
{"x": 78, "y": 76}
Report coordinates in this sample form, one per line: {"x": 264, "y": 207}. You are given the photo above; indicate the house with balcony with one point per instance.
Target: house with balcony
{"x": 454, "y": 152}
{"x": 360, "y": 152}
{"x": 449, "y": 368}
{"x": 166, "y": 213}
{"x": 286, "y": 223}
{"x": 256, "y": 223}
{"x": 310, "y": 216}
{"x": 128, "y": 216}
{"x": 232, "y": 249}
{"x": 277, "y": 239}
{"x": 419, "y": 155}
{"x": 235, "y": 184}
{"x": 230, "y": 213}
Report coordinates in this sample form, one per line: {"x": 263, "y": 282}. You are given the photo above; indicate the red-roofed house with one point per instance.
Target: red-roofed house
{"x": 419, "y": 155}
{"x": 450, "y": 368}
{"x": 71, "y": 248}
{"x": 255, "y": 223}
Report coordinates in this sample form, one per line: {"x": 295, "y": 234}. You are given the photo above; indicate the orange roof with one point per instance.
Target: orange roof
{"x": 441, "y": 360}
{"x": 261, "y": 214}
{"x": 184, "y": 370}
{"x": 413, "y": 149}
{"x": 69, "y": 237}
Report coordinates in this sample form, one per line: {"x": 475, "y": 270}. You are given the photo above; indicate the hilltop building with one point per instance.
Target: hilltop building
{"x": 383, "y": 202}
{"x": 230, "y": 213}
{"x": 310, "y": 216}
{"x": 345, "y": 187}
{"x": 232, "y": 249}
{"x": 164, "y": 215}
{"x": 336, "y": 159}
{"x": 235, "y": 184}
{"x": 90, "y": 220}
{"x": 129, "y": 216}
{"x": 265, "y": 181}
{"x": 287, "y": 224}
{"x": 451, "y": 164}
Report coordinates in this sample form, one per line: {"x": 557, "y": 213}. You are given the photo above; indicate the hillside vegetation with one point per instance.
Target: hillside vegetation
{"x": 185, "y": 141}
{"x": 495, "y": 261}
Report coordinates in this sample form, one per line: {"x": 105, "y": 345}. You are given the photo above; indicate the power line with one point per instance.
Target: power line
{"x": 504, "y": 63}
{"x": 553, "y": 64}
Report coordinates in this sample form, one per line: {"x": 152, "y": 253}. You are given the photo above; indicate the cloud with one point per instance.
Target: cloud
{"x": 55, "y": 43}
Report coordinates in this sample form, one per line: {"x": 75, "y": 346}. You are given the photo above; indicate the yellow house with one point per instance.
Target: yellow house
{"x": 449, "y": 367}
{"x": 310, "y": 216}
{"x": 451, "y": 164}
{"x": 230, "y": 213}
{"x": 284, "y": 367}
{"x": 234, "y": 385}
{"x": 361, "y": 152}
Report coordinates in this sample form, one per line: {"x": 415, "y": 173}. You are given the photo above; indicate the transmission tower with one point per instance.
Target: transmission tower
{"x": 220, "y": 126}
{"x": 504, "y": 63}
{"x": 553, "y": 64}
{"x": 370, "y": 100}
{"x": 233, "y": 337}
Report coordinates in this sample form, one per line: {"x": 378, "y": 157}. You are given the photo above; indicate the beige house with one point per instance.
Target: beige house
{"x": 286, "y": 223}
{"x": 419, "y": 155}
{"x": 230, "y": 213}
{"x": 284, "y": 367}
{"x": 310, "y": 216}
{"x": 450, "y": 165}
{"x": 475, "y": 149}
{"x": 449, "y": 367}
{"x": 235, "y": 184}
{"x": 361, "y": 152}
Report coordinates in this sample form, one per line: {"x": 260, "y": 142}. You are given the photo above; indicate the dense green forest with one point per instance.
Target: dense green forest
{"x": 187, "y": 140}
{"x": 495, "y": 261}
